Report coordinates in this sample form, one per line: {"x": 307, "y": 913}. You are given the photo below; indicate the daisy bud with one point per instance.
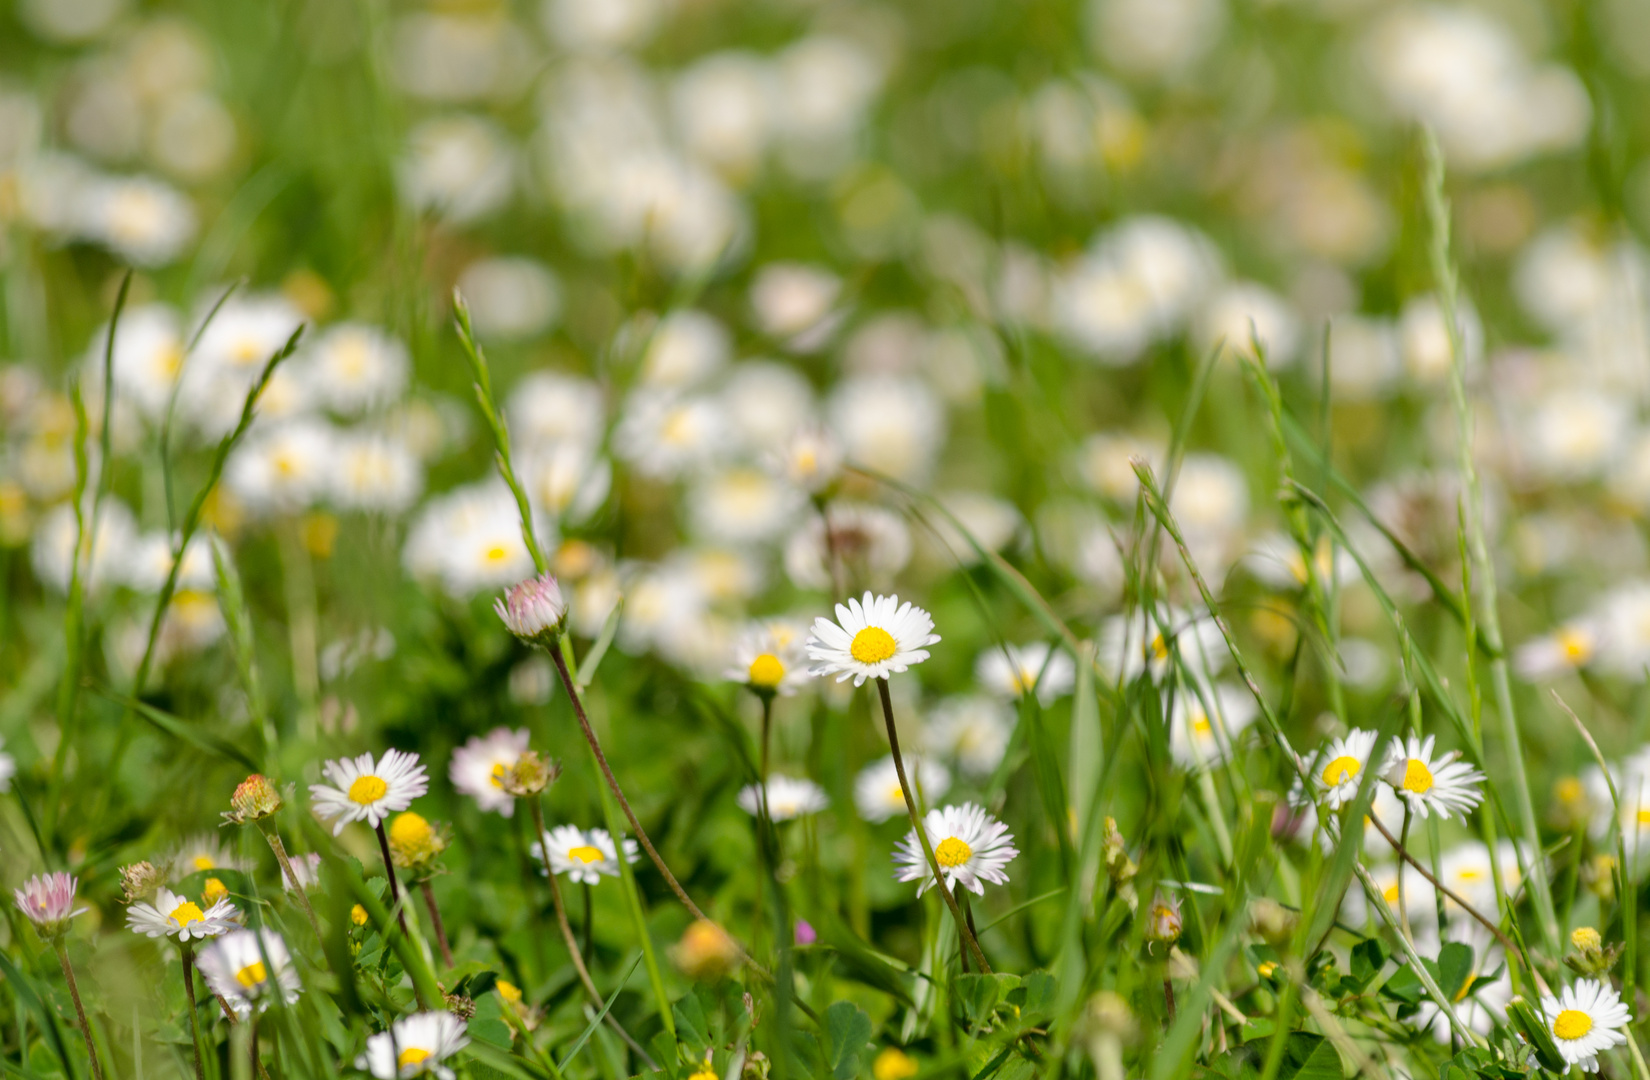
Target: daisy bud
{"x": 358, "y": 915}
{"x": 460, "y": 1006}
{"x": 894, "y": 1064}
{"x": 254, "y": 798}
{"x": 415, "y": 844}
{"x": 533, "y": 610}
{"x": 705, "y": 952}
{"x": 1119, "y": 867}
{"x": 139, "y": 881}
{"x": 215, "y": 890}
{"x": 48, "y": 901}
{"x": 1591, "y": 958}
{"x": 531, "y": 774}
{"x": 1163, "y": 922}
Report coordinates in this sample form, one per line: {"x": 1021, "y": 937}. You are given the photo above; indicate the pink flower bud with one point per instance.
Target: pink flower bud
{"x": 533, "y": 610}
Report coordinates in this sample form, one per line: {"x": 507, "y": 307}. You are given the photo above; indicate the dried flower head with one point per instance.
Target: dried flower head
{"x": 139, "y": 881}
{"x": 255, "y": 798}
{"x": 531, "y": 774}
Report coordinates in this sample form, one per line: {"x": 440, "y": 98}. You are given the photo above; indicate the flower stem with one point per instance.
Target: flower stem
{"x": 291, "y": 877}
{"x": 389, "y": 872}
{"x": 963, "y": 928}
{"x": 567, "y": 937}
{"x": 80, "y": 1010}
{"x": 435, "y": 922}
{"x": 194, "y": 1015}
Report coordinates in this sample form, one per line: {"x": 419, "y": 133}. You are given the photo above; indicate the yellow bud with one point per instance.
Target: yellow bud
{"x": 358, "y": 915}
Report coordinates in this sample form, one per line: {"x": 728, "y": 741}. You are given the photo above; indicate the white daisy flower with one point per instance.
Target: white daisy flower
{"x": 970, "y": 845}
{"x": 306, "y": 872}
{"x": 1139, "y": 642}
{"x": 1572, "y": 646}
{"x": 179, "y": 917}
{"x": 1199, "y": 739}
{"x": 238, "y": 967}
{"x": 788, "y": 797}
{"x": 871, "y": 639}
{"x": 1584, "y": 1019}
{"x": 1442, "y": 785}
{"x": 877, "y": 792}
{"x": 1335, "y": 772}
{"x": 973, "y": 730}
{"x": 364, "y": 790}
{"x": 203, "y": 852}
{"x": 477, "y": 765}
{"x": 584, "y": 855}
{"x": 768, "y": 657}
{"x": 354, "y": 367}
{"x": 415, "y": 1044}
{"x": 1467, "y": 871}
{"x": 1015, "y": 669}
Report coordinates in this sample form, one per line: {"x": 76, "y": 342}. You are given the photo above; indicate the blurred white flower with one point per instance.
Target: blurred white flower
{"x": 742, "y": 505}
{"x": 374, "y": 472}
{"x": 353, "y": 367}
{"x": 1242, "y": 311}
{"x": 871, "y": 543}
{"x": 788, "y": 299}
{"x": 469, "y": 540}
{"x": 1011, "y": 671}
{"x": 148, "y": 357}
{"x": 138, "y": 218}
{"x": 284, "y": 468}
{"x": 877, "y": 791}
{"x": 552, "y": 407}
{"x": 460, "y": 57}
{"x": 460, "y": 167}
{"x": 1155, "y": 39}
{"x": 1136, "y": 285}
{"x": 724, "y": 106}
{"x": 972, "y": 730}
{"x": 687, "y": 347}
{"x": 1205, "y": 723}
{"x": 584, "y": 26}
{"x": 511, "y": 298}
{"x": 768, "y": 404}
{"x": 890, "y": 423}
{"x": 664, "y": 434}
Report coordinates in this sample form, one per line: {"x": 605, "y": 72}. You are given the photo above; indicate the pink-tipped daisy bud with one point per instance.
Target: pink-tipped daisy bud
{"x": 139, "y": 881}
{"x": 254, "y": 798}
{"x": 48, "y": 901}
{"x": 1163, "y": 921}
{"x": 531, "y": 774}
{"x": 533, "y": 610}
{"x": 705, "y": 952}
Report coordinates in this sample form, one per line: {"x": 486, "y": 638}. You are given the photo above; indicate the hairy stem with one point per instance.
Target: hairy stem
{"x": 80, "y": 1011}
{"x": 389, "y": 872}
{"x": 435, "y": 922}
{"x": 194, "y": 1014}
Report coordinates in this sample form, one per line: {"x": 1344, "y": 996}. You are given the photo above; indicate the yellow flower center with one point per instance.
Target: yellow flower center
{"x": 1201, "y": 725}
{"x": 496, "y": 554}
{"x": 1587, "y": 938}
{"x": 1575, "y": 646}
{"x": 1644, "y": 816}
{"x": 1266, "y": 968}
{"x": 215, "y": 890}
{"x": 1469, "y": 874}
{"x": 1569, "y": 791}
{"x": 509, "y": 991}
{"x": 1342, "y": 768}
{"x": 410, "y": 830}
{"x": 1572, "y": 1024}
{"x": 204, "y": 862}
{"x": 412, "y": 1055}
{"x": 498, "y": 775}
{"x": 766, "y": 671}
{"x": 186, "y": 913}
{"x": 585, "y": 853}
{"x": 872, "y": 645}
{"x": 367, "y": 790}
{"x": 953, "y": 852}
{"x": 1391, "y": 894}
{"x": 1158, "y": 649}
{"x": 894, "y": 1064}
{"x": 252, "y": 974}
{"x": 1417, "y": 777}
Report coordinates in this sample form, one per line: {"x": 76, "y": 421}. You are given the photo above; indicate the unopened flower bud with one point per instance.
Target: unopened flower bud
{"x": 1592, "y": 958}
{"x": 139, "y": 881}
{"x": 1163, "y": 921}
{"x": 47, "y": 900}
{"x": 533, "y": 610}
{"x": 705, "y": 952}
{"x": 531, "y": 774}
{"x": 1119, "y": 867}
{"x": 460, "y": 1006}
{"x": 215, "y": 890}
{"x": 415, "y": 844}
{"x": 254, "y": 798}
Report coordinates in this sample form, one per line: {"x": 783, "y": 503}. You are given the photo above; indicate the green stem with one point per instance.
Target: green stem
{"x": 79, "y": 1010}
{"x": 194, "y": 1014}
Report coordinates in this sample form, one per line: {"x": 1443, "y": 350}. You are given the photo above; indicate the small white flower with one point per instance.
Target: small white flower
{"x": 1572, "y": 646}
{"x": 179, "y": 917}
{"x": 246, "y": 968}
{"x": 877, "y": 792}
{"x": 1584, "y": 1019}
{"x": 768, "y": 658}
{"x": 533, "y": 607}
{"x": 1199, "y": 738}
{"x": 871, "y": 639}
{"x": 362, "y": 790}
{"x": 970, "y": 845}
{"x": 788, "y": 798}
{"x": 1442, "y": 785}
{"x": 972, "y": 730}
{"x": 1141, "y": 642}
{"x": 1336, "y": 770}
{"x": 477, "y": 765}
{"x": 1014, "y": 670}
{"x": 354, "y": 367}
{"x": 584, "y": 855}
{"x": 415, "y": 1044}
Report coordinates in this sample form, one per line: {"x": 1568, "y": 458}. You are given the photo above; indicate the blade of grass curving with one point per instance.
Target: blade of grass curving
{"x": 68, "y": 689}
{"x": 596, "y": 1021}
{"x": 232, "y": 598}
{"x": 598, "y": 649}
{"x": 31, "y": 999}
{"x": 1447, "y": 283}
{"x": 180, "y": 729}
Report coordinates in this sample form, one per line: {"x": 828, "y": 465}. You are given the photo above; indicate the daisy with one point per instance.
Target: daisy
{"x": 1015, "y": 670}
{"x": 178, "y": 917}
{"x": 787, "y": 797}
{"x": 1200, "y": 739}
{"x": 973, "y": 730}
{"x": 246, "y": 967}
{"x": 768, "y": 658}
{"x": 584, "y": 855}
{"x": 477, "y": 764}
{"x": 874, "y": 542}
{"x": 1584, "y": 1019}
{"x": 363, "y": 790}
{"x": 48, "y": 902}
{"x": 877, "y": 792}
{"x": 415, "y": 1044}
{"x": 1141, "y": 642}
{"x": 1573, "y": 645}
{"x": 1441, "y": 785}
{"x": 970, "y": 845}
{"x": 306, "y": 872}
{"x": 354, "y": 367}
{"x": 1335, "y": 773}
{"x": 204, "y": 852}
{"x": 871, "y": 639}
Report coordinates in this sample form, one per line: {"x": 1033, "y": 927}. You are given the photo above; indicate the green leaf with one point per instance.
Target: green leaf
{"x": 1306, "y": 1056}
{"x": 847, "y": 1031}
{"x": 692, "y": 1026}
{"x": 1454, "y": 966}
{"x": 30, "y": 999}
{"x": 1368, "y": 957}
{"x": 1533, "y": 1027}
{"x": 1035, "y": 996}
{"x": 978, "y": 995}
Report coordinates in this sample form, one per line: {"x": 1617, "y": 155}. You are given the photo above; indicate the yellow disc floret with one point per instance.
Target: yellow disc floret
{"x": 872, "y": 645}
{"x": 410, "y": 830}
{"x": 1572, "y": 1024}
{"x": 1417, "y": 777}
{"x": 187, "y": 912}
{"x": 586, "y": 854}
{"x": 1342, "y": 768}
{"x": 766, "y": 671}
{"x": 412, "y": 1055}
{"x": 953, "y": 852}
{"x": 367, "y": 790}
{"x": 253, "y": 974}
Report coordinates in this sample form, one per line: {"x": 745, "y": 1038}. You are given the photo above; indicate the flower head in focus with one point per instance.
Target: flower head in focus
{"x": 970, "y": 845}
{"x": 416, "y": 845}
{"x": 415, "y": 1044}
{"x": 255, "y": 798}
{"x": 1584, "y": 1019}
{"x": 533, "y": 610}
{"x": 178, "y": 917}
{"x": 768, "y": 658}
{"x": 48, "y": 902}
{"x": 1429, "y": 785}
{"x": 584, "y": 855}
{"x": 366, "y": 790}
{"x": 1336, "y": 770}
{"x": 871, "y": 639}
